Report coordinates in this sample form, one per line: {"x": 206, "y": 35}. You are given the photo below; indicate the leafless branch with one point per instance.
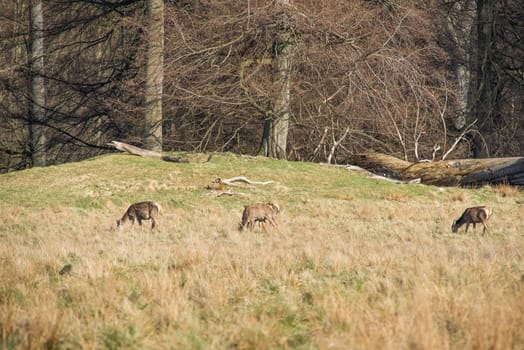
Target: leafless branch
{"x": 335, "y": 145}
{"x": 458, "y": 139}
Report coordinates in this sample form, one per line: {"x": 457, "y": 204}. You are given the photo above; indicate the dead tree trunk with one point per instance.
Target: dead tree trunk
{"x": 460, "y": 172}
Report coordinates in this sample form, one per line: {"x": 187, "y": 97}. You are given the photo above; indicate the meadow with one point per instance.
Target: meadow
{"x": 356, "y": 263}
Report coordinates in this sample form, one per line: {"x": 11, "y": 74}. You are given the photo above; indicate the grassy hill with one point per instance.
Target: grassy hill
{"x": 355, "y": 263}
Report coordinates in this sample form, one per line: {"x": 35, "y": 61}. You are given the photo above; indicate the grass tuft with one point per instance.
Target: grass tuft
{"x": 508, "y": 191}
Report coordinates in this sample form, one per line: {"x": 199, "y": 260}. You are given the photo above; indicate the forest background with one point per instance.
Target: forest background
{"x": 300, "y": 80}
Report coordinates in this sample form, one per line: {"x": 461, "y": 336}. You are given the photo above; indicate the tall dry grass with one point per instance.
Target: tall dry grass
{"x": 338, "y": 273}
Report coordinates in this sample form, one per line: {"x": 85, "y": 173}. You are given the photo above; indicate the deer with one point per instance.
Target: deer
{"x": 217, "y": 185}
{"x": 259, "y": 212}
{"x": 473, "y": 215}
{"x": 148, "y": 210}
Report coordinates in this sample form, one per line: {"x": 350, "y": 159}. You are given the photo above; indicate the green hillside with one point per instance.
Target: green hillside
{"x": 354, "y": 263}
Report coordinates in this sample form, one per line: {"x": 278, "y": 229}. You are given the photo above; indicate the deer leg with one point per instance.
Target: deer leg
{"x": 153, "y": 223}
{"x": 486, "y": 228}
{"x": 139, "y": 221}
{"x": 467, "y": 226}
{"x": 263, "y": 224}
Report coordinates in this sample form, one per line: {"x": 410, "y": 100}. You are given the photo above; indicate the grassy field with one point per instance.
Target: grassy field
{"x": 356, "y": 263}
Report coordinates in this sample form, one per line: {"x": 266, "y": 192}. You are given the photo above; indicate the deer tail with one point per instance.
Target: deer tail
{"x": 159, "y": 208}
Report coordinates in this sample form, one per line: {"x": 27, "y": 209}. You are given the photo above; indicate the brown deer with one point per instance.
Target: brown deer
{"x": 473, "y": 216}
{"x": 140, "y": 211}
{"x": 260, "y": 212}
{"x": 217, "y": 185}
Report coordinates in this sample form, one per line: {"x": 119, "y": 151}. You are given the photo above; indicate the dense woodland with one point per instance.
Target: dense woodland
{"x": 300, "y": 80}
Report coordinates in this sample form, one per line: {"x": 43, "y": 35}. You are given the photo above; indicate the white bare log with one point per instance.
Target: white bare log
{"x": 230, "y": 181}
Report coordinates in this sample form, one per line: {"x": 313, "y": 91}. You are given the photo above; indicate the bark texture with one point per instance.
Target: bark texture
{"x": 459, "y": 172}
{"x": 37, "y": 104}
{"x": 155, "y": 76}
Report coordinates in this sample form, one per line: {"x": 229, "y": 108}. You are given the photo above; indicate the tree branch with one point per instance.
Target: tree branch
{"x": 137, "y": 151}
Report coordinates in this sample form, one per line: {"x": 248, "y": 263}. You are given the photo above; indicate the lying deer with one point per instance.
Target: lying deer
{"x": 473, "y": 216}
{"x": 141, "y": 211}
{"x": 260, "y": 212}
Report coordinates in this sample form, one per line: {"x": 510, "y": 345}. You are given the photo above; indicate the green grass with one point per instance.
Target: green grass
{"x": 354, "y": 263}
{"x": 119, "y": 178}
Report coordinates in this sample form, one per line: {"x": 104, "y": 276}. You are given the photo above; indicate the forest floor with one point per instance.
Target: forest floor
{"x": 355, "y": 263}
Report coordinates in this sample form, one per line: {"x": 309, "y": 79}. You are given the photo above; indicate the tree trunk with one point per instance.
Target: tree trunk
{"x": 38, "y": 139}
{"x": 155, "y": 76}
{"x": 282, "y": 51}
{"x": 264, "y": 145}
{"x": 458, "y": 172}
{"x": 487, "y": 79}
{"x": 460, "y": 25}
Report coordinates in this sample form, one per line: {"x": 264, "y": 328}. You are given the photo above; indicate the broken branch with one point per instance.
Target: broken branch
{"x": 137, "y": 151}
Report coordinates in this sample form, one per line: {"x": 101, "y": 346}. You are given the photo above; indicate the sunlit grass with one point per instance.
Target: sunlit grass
{"x": 355, "y": 263}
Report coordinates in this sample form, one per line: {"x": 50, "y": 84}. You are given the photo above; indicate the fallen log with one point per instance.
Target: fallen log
{"x": 137, "y": 151}
{"x": 381, "y": 164}
{"x": 511, "y": 172}
{"x": 220, "y": 187}
{"x": 459, "y": 172}
{"x": 246, "y": 180}
{"x": 221, "y": 184}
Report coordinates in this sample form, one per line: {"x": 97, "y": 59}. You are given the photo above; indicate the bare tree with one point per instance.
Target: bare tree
{"x": 90, "y": 50}
{"x": 487, "y": 51}
{"x": 14, "y": 132}
{"x": 499, "y": 78}
{"x": 155, "y": 76}
{"x": 370, "y": 70}
{"x": 460, "y": 19}
{"x": 38, "y": 95}
{"x": 487, "y": 77}
{"x": 282, "y": 51}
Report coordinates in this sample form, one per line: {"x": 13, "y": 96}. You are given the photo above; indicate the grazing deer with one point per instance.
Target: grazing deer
{"x": 141, "y": 211}
{"x": 217, "y": 185}
{"x": 473, "y": 216}
{"x": 260, "y": 212}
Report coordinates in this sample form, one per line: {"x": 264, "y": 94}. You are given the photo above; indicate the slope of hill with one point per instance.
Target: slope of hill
{"x": 354, "y": 263}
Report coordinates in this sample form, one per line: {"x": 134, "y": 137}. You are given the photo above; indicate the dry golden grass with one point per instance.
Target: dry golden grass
{"x": 507, "y": 190}
{"x": 459, "y": 197}
{"x": 364, "y": 273}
